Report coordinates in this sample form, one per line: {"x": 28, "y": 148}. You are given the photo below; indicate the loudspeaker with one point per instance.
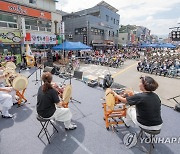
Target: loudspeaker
{"x": 92, "y": 84}
{"x": 78, "y": 75}
{"x": 177, "y": 107}
{"x": 49, "y": 69}
{"x": 50, "y": 64}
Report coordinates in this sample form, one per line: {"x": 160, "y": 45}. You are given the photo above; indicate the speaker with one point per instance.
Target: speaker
{"x": 50, "y": 64}
{"x": 78, "y": 75}
{"x": 50, "y": 69}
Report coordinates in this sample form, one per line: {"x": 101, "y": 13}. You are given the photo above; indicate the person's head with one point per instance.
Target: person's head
{"x": 147, "y": 83}
{"x": 47, "y": 78}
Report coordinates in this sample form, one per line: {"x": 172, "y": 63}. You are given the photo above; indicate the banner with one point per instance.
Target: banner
{"x": 40, "y": 39}
{"x": 10, "y": 37}
{"x": 23, "y": 10}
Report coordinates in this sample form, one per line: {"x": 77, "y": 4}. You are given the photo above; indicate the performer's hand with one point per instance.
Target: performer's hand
{"x": 8, "y": 90}
{"x": 6, "y": 75}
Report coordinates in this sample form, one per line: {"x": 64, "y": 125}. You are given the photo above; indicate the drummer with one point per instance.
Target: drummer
{"x": 147, "y": 111}
{"x": 49, "y": 105}
{"x": 7, "y": 98}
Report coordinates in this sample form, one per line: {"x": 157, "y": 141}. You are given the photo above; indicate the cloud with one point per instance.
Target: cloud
{"x": 157, "y": 15}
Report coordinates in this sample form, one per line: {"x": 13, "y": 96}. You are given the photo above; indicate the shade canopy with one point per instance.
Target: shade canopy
{"x": 71, "y": 46}
{"x": 166, "y": 45}
{"x": 154, "y": 45}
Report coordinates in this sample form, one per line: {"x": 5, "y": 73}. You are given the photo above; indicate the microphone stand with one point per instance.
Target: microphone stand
{"x": 36, "y": 80}
{"x": 36, "y": 77}
{"x": 72, "y": 99}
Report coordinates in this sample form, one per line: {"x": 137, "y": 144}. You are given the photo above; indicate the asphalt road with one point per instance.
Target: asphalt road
{"x": 128, "y": 76}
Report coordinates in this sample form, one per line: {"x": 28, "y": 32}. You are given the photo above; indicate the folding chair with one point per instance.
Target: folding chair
{"x": 44, "y": 123}
{"x": 152, "y": 134}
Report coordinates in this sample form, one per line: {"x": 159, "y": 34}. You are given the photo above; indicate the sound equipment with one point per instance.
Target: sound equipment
{"x": 108, "y": 80}
{"x": 49, "y": 69}
{"x": 78, "y": 75}
{"x": 92, "y": 84}
{"x": 50, "y": 64}
{"x": 177, "y": 107}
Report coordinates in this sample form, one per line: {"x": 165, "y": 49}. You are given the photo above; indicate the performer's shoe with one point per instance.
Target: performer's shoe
{"x": 71, "y": 127}
{"x": 15, "y": 103}
{"x": 8, "y": 116}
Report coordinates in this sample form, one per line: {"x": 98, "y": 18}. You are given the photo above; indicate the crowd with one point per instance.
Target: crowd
{"x": 111, "y": 58}
{"x": 161, "y": 62}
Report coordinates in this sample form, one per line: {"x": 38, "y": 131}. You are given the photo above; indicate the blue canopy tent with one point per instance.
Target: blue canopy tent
{"x": 71, "y": 46}
{"x": 166, "y": 45}
{"x": 144, "y": 45}
{"x": 154, "y": 45}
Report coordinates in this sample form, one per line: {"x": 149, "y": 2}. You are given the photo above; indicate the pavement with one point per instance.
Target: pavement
{"x": 19, "y": 135}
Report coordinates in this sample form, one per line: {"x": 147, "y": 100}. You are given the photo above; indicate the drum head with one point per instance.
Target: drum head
{"x": 8, "y": 70}
{"x": 10, "y": 65}
{"x": 20, "y": 82}
{"x": 67, "y": 93}
{"x": 8, "y": 77}
{"x": 110, "y": 99}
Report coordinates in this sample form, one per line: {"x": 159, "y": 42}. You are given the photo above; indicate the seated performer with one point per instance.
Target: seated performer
{"x": 147, "y": 111}
{"x": 49, "y": 106}
{"x": 7, "y": 99}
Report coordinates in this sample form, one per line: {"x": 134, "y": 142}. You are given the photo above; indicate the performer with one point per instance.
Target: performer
{"x": 7, "y": 99}
{"x": 49, "y": 106}
{"x": 147, "y": 110}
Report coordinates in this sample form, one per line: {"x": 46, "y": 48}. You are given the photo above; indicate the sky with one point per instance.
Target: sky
{"x": 156, "y": 15}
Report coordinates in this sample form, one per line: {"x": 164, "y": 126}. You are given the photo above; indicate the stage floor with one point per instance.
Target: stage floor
{"x": 19, "y": 135}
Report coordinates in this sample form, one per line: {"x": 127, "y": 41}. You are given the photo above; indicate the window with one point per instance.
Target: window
{"x": 117, "y": 22}
{"x": 117, "y": 33}
{"x": 123, "y": 38}
{"x": 32, "y": 1}
{"x": 3, "y": 24}
{"x": 109, "y": 33}
{"x": 10, "y": 18}
{"x": 107, "y": 18}
{"x": 96, "y": 31}
{"x": 114, "y": 21}
{"x": 12, "y": 25}
{"x": 31, "y": 22}
{"x": 81, "y": 31}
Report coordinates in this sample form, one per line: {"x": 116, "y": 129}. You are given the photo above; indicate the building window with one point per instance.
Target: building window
{"x": 32, "y": 1}
{"x": 123, "y": 38}
{"x": 109, "y": 33}
{"x": 107, "y": 18}
{"x": 117, "y": 22}
{"x": 81, "y": 31}
{"x": 117, "y": 33}
{"x": 114, "y": 21}
{"x": 9, "y": 18}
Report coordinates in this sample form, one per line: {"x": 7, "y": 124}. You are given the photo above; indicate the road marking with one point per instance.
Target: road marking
{"x": 125, "y": 69}
{"x": 81, "y": 145}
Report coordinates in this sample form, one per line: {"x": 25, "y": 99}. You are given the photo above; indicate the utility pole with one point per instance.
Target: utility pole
{"x": 87, "y": 32}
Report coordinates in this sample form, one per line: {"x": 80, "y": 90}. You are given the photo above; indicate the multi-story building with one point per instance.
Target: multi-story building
{"x": 27, "y": 21}
{"x": 133, "y": 35}
{"x": 97, "y": 26}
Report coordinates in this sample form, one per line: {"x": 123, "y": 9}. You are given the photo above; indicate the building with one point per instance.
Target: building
{"x": 35, "y": 22}
{"x": 97, "y": 26}
{"x": 132, "y": 35}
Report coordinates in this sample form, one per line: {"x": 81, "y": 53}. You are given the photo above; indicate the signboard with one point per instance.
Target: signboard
{"x": 18, "y": 9}
{"x": 175, "y": 35}
{"x": 40, "y": 38}
{"x": 85, "y": 39}
{"x": 10, "y": 37}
